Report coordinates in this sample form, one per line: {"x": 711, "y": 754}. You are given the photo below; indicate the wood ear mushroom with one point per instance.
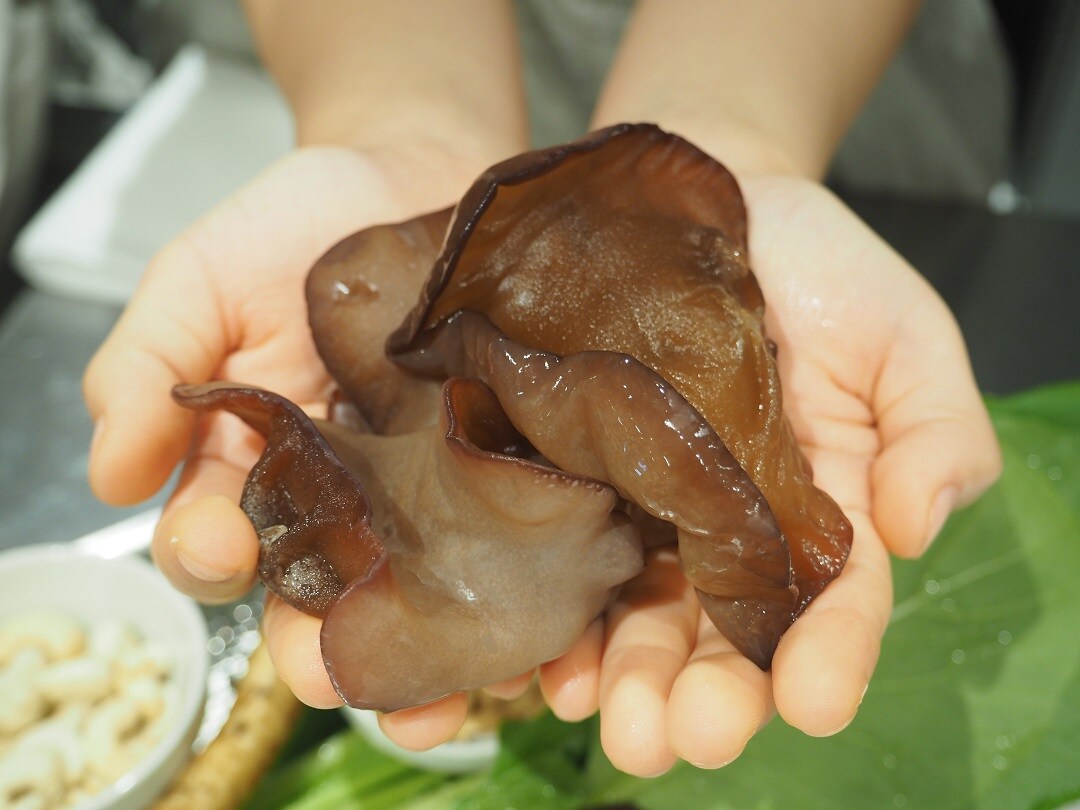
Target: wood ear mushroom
{"x": 580, "y": 369}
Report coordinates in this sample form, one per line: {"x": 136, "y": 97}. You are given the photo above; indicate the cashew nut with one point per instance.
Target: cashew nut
{"x": 108, "y": 640}
{"x": 60, "y": 735}
{"x": 82, "y": 678}
{"x": 147, "y": 694}
{"x": 152, "y": 658}
{"x": 78, "y": 708}
{"x": 110, "y": 721}
{"x": 55, "y": 634}
{"x": 34, "y": 771}
{"x": 31, "y": 801}
{"x": 22, "y": 702}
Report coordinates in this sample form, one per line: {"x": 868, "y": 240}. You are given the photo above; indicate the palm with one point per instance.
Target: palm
{"x": 835, "y": 295}
{"x": 863, "y": 342}
{"x": 259, "y": 246}
{"x": 225, "y": 301}
{"x": 878, "y": 391}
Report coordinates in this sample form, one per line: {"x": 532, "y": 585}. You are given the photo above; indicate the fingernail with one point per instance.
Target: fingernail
{"x": 939, "y": 512}
{"x": 197, "y": 569}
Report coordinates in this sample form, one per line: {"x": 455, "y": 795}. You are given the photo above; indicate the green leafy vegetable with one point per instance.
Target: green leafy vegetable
{"x": 976, "y": 699}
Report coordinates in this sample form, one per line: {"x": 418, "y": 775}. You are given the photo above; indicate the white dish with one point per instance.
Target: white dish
{"x": 467, "y": 756}
{"x": 205, "y": 127}
{"x": 128, "y": 589}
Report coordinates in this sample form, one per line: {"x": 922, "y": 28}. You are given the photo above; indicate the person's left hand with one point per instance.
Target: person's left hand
{"x": 878, "y": 388}
{"x": 225, "y": 301}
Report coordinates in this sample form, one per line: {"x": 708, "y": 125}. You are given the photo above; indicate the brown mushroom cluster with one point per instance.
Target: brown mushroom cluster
{"x": 575, "y": 369}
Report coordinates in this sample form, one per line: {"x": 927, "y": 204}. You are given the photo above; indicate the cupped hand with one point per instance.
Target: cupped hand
{"x": 879, "y": 390}
{"x": 225, "y": 300}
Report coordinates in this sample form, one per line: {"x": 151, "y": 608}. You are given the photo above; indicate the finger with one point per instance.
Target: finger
{"x": 171, "y": 332}
{"x": 571, "y": 683}
{"x": 204, "y": 543}
{"x": 293, "y": 640}
{"x": 426, "y": 726}
{"x": 824, "y": 662}
{"x": 207, "y": 547}
{"x": 511, "y": 687}
{"x": 651, "y": 631}
{"x": 938, "y": 446}
{"x": 718, "y": 702}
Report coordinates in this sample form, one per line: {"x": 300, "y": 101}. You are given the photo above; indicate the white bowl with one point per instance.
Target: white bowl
{"x": 465, "y": 756}
{"x": 130, "y": 590}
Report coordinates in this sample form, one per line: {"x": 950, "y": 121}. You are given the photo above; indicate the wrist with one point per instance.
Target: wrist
{"x": 393, "y": 182}
{"x": 748, "y": 150}
{"x": 424, "y": 124}
{"x": 416, "y": 146}
{"x": 745, "y": 146}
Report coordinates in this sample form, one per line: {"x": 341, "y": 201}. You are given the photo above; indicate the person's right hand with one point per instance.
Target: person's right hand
{"x": 225, "y": 300}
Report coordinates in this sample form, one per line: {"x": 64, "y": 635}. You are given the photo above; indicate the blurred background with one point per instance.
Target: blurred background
{"x": 121, "y": 121}
{"x": 982, "y": 106}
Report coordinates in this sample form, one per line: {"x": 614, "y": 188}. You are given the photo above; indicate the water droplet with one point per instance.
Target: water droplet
{"x": 1033, "y": 461}
{"x": 360, "y": 287}
{"x": 958, "y": 656}
{"x": 932, "y": 586}
{"x": 1053, "y": 473}
{"x": 548, "y": 791}
{"x": 1003, "y": 741}
{"x": 889, "y": 761}
{"x": 465, "y": 592}
{"x": 999, "y": 762}
{"x": 900, "y": 800}
{"x": 948, "y": 605}
{"x": 327, "y": 751}
{"x": 215, "y": 646}
{"x": 1004, "y": 637}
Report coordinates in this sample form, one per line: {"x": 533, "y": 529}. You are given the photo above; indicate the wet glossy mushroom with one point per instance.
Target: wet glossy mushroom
{"x": 632, "y": 242}
{"x": 441, "y": 559}
{"x": 617, "y": 389}
{"x": 357, "y": 293}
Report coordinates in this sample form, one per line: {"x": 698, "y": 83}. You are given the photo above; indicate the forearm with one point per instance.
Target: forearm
{"x": 769, "y": 85}
{"x": 398, "y": 75}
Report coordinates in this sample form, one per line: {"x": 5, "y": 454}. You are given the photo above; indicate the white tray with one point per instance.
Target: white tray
{"x": 204, "y": 128}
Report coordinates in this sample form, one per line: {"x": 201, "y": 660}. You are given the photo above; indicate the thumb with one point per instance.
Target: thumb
{"x": 171, "y": 332}
{"x": 939, "y": 451}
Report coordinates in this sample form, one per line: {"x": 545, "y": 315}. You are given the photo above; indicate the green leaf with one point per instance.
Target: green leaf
{"x": 342, "y": 772}
{"x": 539, "y": 766}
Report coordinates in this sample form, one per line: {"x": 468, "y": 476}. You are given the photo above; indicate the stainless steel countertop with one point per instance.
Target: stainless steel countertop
{"x": 45, "y": 342}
